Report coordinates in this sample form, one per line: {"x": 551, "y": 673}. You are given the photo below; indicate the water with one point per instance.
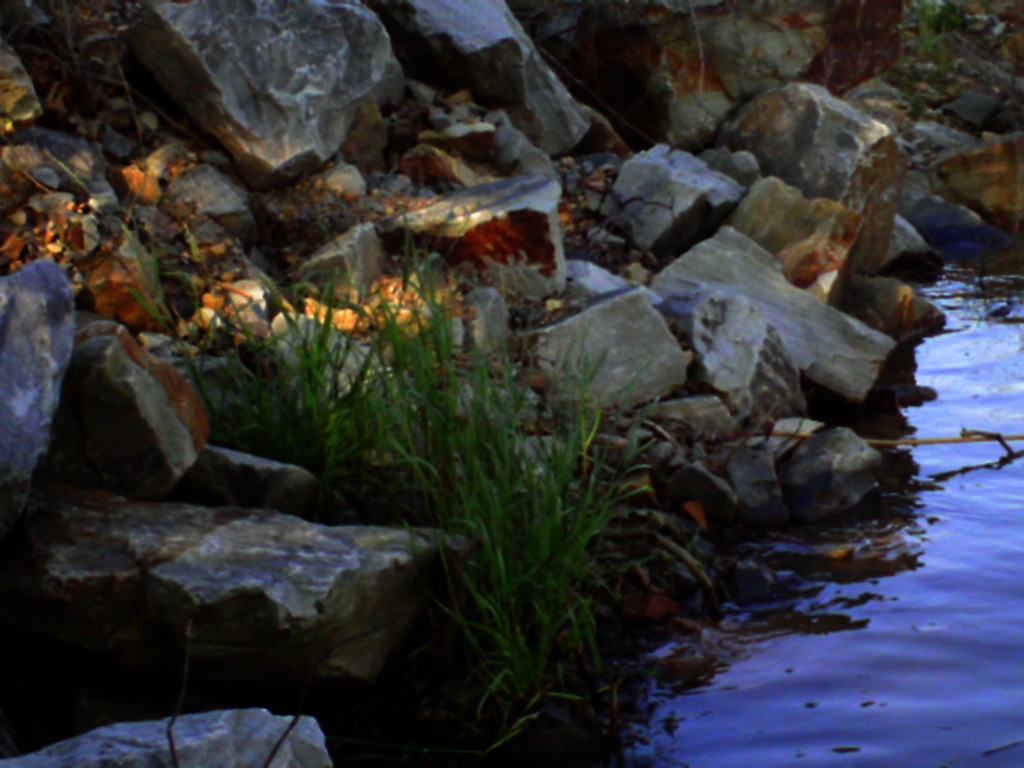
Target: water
{"x": 903, "y": 642}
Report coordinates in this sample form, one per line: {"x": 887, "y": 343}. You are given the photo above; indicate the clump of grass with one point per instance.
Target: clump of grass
{"x": 936, "y": 18}
{"x": 409, "y": 416}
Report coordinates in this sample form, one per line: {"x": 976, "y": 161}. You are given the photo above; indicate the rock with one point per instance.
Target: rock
{"x": 473, "y": 141}
{"x": 206, "y": 191}
{"x": 737, "y": 352}
{"x": 619, "y": 349}
{"x": 58, "y": 160}
{"x": 826, "y": 148}
{"x": 810, "y": 238}
{"x": 429, "y": 166}
{"x": 122, "y": 281}
{"x": 36, "y": 332}
{"x": 344, "y": 180}
{"x": 126, "y": 421}
{"x": 987, "y": 179}
{"x": 750, "y": 582}
{"x": 488, "y": 320}
{"x": 909, "y": 254}
{"x": 353, "y": 260}
{"x": 672, "y": 71}
{"x": 508, "y": 230}
{"x": 241, "y": 738}
{"x": 247, "y": 306}
{"x": 742, "y": 167}
{"x": 222, "y": 477}
{"x": 278, "y": 85}
{"x": 514, "y": 154}
{"x": 831, "y": 349}
{"x": 829, "y": 473}
{"x": 786, "y": 435}
{"x": 925, "y": 140}
{"x": 272, "y": 598}
{"x": 891, "y": 307}
{"x": 976, "y": 108}
{"x": 693, "y": 482}
{"x": 703, "y": 416}
{"x": 18, "y": 100}
{"x": 481, "y": 44}
{"x": 589, "y": 281}
{"x": 958, "y": 233}
{"x": 666, "y": 200}
{"x": 752, "y": 474}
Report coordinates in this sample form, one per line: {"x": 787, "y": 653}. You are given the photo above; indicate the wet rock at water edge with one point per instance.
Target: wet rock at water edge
{"x": 752, "y": 473}
{"x": 620, "y": 350}
{"x": 694, "y": 482}
{"x": 279, "y": 85}
{"x": 829, "y": 473}
{"x": 271, "y": 598}
{"x": 36, "y": 334}
{"x": 243, "y": 738}
{"x": 750, "y": 582}
{"x": 987, "y": 179}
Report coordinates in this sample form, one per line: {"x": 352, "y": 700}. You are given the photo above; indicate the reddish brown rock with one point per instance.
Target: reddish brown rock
{"x": 988, "y": 179}
{"x": 863, "y": 39}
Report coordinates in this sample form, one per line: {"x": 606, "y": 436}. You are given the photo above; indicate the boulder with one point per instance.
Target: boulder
{"x": 589, "y": 281}
{"x": 241, "y": 738}
{"x": 829, "y": 473}
{"x": 925, "y": 140}
{"x": 826, "y": 148}
{"x": 508, "y": 230}
{"x": 737, "y": 352}
{"x": 891, "y": 306}
{"x": 352, "y": 261}
{"x": 752, "y": 474}
{"x": 987, "y": 179}
{"x": 18, "y": 100}
{"x": 829, "y": 348}
{"x": 694, "y": 482}
{"x": 810, "y": 238}
{"x": 222, "y": 477}
{"x": 703, "y": 416}
{"x": 126, "y": 421}
{"x": 666, "y": 200}
{"x": 279, "y": 85}
{"x": 909, "y": 254}
{"x": 742, "y": 167}
{"x": 671, "y": 71}
{"x": 514, "y": 154}
{"x": 36, "y": 333}
{"x": 619, "y": 349}
{"x": 207, "y": 192}
{"x": 270, "y": 597}
{"x": 480, "y": 44}
{"x": 958, "y": 233}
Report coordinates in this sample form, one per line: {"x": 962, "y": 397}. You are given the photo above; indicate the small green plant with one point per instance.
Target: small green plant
{"x": 458, "y": 443}
{"x": 936, "y": 18}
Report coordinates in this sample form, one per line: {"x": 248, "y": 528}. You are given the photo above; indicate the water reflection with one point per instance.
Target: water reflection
{"x": 897, "y": 637}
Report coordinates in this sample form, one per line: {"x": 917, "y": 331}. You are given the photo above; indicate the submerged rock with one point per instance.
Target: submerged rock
{"x": 242, "y": 738}
{"x": 270, "y": 597}
{"x": 36, "y": 333}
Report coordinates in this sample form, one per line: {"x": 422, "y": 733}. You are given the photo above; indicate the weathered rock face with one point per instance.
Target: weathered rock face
{"x": 666, "y": 200}
{"x": 988, "y": 180}
{"x": 673, "y": 69}
{"x": 481, "y": 44}
{"x": 18, "y": 100}
{"x": 36, "y": 332}
{"x": 126, "y": 421}
{"x": 620, "y": 348}
{"x": 279, "y": 85}
{"x": 810, "y": 238}
{"x": 829, "y": 473}
{"x": 240, "y": 738}
{"x": 271, "y": 597}
{"x": 222, "y": 477}
{"x": 508, "y": 230}
{"x": 737, "y": 352}
{"x": 831, "y": 349}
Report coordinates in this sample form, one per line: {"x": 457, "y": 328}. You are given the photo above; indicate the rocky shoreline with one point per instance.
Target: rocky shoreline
{"x": 698, "y": 225}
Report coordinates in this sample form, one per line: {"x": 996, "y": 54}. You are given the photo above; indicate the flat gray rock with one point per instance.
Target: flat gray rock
{"x": 829, "y": 347}
{"x": 36, "y": 333}
{"x": 240, "y": 738}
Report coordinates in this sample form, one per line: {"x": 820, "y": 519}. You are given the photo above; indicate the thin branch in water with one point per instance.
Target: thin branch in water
{"x": 179, "y": 705}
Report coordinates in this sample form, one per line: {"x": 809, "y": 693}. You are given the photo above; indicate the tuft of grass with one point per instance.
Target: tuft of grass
{"x": 410, "y": 420}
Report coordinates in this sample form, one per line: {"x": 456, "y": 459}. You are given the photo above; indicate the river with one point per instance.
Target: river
{"x": 898, "y": 639}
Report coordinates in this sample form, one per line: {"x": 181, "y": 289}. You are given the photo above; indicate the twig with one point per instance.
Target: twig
{"x": 181, "y": 695}
{"x": 966, "y": 436}
{"x": 1002, "y": 748}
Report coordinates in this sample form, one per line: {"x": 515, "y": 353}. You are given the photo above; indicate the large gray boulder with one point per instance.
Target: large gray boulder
{"x": 127, "y": 421}
{"x": 240, "y": 738}
{"x": 481, "y": 44}
{"x": 738, "y": 353}
{"x": 620, "y": 350}
{"x": 270, "y": 597}
{"x": 829, "y": 473}
{"x": 666, "y": 200}
{"x": 830, "y": 348}
{"x": 36, "y": 333}
{"x": 278, "y": 84}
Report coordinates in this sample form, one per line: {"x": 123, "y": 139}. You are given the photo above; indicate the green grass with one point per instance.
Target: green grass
{"x": 451, "y": 437}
